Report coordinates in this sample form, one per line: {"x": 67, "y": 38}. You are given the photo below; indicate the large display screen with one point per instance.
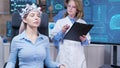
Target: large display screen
{"x": 105, "y": 15}
{"x": 18, "y": 4}
{"x": 57, "y": 5}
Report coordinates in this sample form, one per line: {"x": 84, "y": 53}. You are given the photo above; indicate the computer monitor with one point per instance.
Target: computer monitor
{"x": 18, "y": 4}
{"x": 56, "y": 4}
{"x": 105, "y": 15}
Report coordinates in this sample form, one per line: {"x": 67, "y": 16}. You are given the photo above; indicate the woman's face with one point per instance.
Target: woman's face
{"x": 32, "y": 19}
{"x": 71, "y": 8}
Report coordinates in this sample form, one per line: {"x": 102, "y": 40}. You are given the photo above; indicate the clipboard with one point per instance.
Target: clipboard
{"x": 77, "y": 29}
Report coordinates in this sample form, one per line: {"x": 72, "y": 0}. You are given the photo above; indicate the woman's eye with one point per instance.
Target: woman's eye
{"x": 38, "y": 15}
{"x": 32, "y": 15}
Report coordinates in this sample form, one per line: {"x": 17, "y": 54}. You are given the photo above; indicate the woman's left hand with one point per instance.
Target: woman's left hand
{"x": 82, "y": 38}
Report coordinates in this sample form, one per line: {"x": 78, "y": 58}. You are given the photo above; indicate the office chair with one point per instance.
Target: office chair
{"x": 16, "y": 22}
{"x": 43, "y": 29}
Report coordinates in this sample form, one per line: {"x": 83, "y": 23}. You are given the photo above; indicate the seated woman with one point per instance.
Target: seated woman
{"x": 31, "y": 47}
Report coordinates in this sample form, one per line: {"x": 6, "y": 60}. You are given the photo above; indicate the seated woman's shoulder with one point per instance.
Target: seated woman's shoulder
{"x": 44, "y": 36}
{"x": 17, "y": 37}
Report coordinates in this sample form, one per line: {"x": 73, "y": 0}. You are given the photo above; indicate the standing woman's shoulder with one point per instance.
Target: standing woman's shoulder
{"x": 81, "y": 21}
{"x": 65, "y": 19}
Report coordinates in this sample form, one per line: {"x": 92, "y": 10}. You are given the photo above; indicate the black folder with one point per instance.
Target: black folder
{"x": 77, "y": 29}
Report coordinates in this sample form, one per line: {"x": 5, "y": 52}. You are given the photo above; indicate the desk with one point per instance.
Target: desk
{"x": 6, "y": 47}
{"x": 110, "y": 66}
{"x": 4, "y": 53}
{"x": 94, "y": 55}
{"x": 1, "y": 54}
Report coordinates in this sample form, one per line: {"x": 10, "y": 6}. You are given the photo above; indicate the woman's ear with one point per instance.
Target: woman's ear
{"x": 24, "y": 20}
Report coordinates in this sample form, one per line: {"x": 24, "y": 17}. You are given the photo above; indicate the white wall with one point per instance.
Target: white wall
{"x": 94, "y": 56}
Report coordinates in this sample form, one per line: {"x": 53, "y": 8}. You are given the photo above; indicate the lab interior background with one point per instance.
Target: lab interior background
{"x": 104, "y": 14}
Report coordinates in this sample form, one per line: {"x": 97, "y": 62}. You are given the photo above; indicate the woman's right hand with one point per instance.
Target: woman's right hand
{"x": 62, "y": 66}
{"x": 65, "y": 28}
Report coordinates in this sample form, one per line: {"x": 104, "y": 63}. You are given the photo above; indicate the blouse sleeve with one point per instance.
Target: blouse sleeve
{"x": 57, "y": 38}
{"x": 48, "y": 62}
{"x": 88, "y": 40}
{"x": 57, "y": 34}
{"x": 13, "y": 55}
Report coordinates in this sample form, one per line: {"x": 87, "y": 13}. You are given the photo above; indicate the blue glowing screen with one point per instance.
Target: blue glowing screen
{"x": 56, "y": 4}
{"x": 18, "y": 4}
{"x": 105, "y": 15}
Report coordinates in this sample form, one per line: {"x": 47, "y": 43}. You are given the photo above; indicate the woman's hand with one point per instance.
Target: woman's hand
{"x": 65, "y": 28}
{"x": 62, "y": 66}
{"x": 82, "y": 38}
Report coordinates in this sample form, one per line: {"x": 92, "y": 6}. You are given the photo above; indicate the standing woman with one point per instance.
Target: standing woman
{"x": 31, "y": 47}
{"x": 71, "y": 53}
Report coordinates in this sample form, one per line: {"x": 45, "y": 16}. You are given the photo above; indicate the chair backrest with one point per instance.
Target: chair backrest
{"x": 16, "y": 21}
{"x": 43, "y": 29}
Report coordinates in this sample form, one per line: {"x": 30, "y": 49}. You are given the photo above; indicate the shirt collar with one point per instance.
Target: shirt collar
{"x": 23, "y": 35}
{"x": 72, "y": 19}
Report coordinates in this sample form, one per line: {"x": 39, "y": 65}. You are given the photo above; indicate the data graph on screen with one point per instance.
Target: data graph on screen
{"x": 105, "y": 15}
{"x": 56, "y": 4}
{"x": 16, "y": 5}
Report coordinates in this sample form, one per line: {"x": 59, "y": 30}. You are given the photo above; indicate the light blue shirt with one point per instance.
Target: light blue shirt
{"x": 30, "y": 55}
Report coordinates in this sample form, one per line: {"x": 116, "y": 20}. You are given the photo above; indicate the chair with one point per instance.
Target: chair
{"x": 16, "y": 22}
{"x": 43, "y": 29}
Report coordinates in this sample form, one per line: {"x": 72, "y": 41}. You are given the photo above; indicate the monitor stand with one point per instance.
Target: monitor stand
{"x": 114, "y": 65}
